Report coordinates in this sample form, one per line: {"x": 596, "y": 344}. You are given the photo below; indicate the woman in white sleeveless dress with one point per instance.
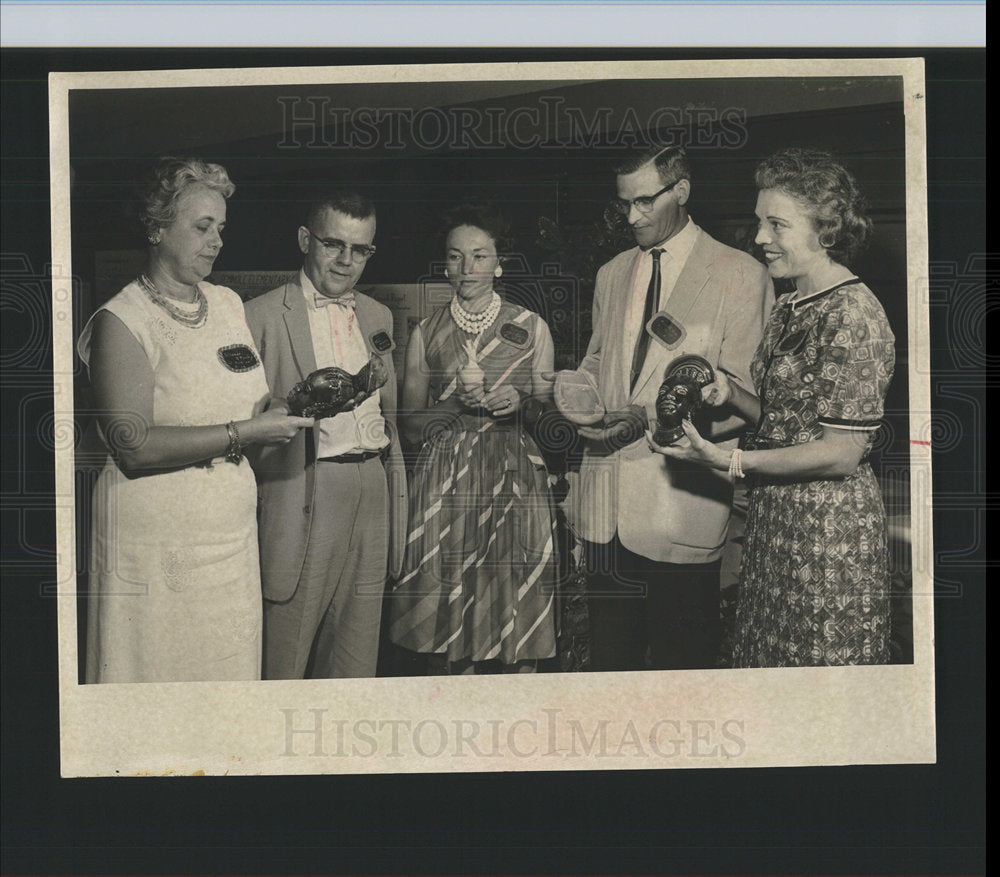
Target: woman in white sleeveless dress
{"x": 175, "y": 580}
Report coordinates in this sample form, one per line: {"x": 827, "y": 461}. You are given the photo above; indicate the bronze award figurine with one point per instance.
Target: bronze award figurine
{"x": 329, "y": 391}
{"x": 680, "y": 396}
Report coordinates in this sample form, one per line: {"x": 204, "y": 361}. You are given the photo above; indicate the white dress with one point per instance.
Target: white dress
{"x": 175, "y": 576}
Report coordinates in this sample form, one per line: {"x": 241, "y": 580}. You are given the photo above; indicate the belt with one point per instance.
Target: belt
{"x": 351, "y": 458}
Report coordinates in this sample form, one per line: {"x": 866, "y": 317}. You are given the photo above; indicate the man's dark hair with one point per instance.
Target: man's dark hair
{"x": 670, "y": 161}
{"x": 342, "y": 201}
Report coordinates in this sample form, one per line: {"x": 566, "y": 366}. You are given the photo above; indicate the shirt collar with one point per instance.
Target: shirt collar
{"x": 680, "y": 245}
{"x": 822, "y": 293}
{"x": 312, "y": 295}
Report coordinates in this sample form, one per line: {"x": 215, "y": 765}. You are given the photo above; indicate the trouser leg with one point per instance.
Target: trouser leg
{"x": 346, "y": 642}
{"x": 290, "y": 626}
{"x": 682, "y": 617}
{"x": 347, "y": 546}
{"x": 614, "y": 606}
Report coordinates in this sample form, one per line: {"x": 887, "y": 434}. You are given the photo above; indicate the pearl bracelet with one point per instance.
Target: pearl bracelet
{"x": 736, "y": 464}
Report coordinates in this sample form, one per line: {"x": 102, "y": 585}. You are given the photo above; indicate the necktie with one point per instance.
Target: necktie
{"x": 345, "y": 301}
{"x": 652, "y": 299}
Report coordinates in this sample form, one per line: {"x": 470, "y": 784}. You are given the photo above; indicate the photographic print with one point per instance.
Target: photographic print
{"x": 512, "y": 417}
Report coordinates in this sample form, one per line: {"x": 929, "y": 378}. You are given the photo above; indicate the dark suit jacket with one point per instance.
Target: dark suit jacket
{"x": 279, "y": 322}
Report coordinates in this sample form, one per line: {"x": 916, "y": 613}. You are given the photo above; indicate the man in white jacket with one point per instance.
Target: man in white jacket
{"x": 654, "y": 529}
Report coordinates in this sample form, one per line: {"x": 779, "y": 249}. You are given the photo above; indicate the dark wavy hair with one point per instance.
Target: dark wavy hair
{"x": 480, "y": 215}
{"x": 170, "y": 178}
{"x": 828, "y": 191}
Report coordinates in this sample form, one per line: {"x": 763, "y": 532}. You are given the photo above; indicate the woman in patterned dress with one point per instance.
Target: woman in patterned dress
{"x": 479, "y": 576}
{"x": 814, "y": 584}
{"x": 175, "y": 579}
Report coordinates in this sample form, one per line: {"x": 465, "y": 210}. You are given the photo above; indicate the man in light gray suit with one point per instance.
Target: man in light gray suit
{"x": 333, "y": 500}
{"x": 654, "y": 529}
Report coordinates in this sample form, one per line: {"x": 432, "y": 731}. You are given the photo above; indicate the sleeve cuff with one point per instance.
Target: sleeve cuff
{"x": 856, "y": 425}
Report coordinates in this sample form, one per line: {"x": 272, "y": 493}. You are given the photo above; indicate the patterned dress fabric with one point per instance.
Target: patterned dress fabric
{"x": 478, "y": 580}
{"x": 814, "y": 584}
{"x": 175, "y": 578}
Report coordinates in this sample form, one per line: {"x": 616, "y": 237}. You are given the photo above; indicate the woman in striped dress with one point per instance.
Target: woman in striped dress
{"x": 478, "y": 582}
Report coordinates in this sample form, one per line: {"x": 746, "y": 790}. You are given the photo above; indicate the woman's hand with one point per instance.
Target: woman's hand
{"x": 502, "y": 401}
{"x": 274, "y": 427}
{"x": 470, "y": 395}
{"x": 692, "y": 448}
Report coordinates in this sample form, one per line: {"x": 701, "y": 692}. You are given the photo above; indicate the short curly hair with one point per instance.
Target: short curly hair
{"x": 170, "y": 179}
{"x": 482, "y": 215}
{"x": 828, "y": 191}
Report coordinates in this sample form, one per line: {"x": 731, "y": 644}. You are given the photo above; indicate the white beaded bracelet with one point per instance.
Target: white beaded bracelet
{"x": 736, "y": 464}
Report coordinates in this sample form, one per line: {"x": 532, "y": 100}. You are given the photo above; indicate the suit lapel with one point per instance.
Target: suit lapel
{"x": 692, "y": 281}
{"x": 366, "y": 321}
{"x": 620, "y": 359}
{"x": 297, "y": 324}
{"x": 371, "y": 323}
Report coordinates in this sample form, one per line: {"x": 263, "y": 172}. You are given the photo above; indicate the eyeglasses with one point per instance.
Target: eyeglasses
{"x": 644, "y": 203}
{"x": 336, "y": 248}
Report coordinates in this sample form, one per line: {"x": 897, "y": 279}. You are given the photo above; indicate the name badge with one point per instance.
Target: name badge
{"x": 667, "y": 330}
{"x": 238, "y": 357}
{"x": 381, "y": 341}
{"x": 514, "y": 334}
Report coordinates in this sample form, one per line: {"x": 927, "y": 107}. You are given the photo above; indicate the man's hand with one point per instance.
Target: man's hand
{"x": 718, "y": 392}
{"x": 358, "y": 398}
{"x": 618, "y": 430}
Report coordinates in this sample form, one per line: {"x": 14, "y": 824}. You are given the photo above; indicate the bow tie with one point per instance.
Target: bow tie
{"x": 345, "y": 301}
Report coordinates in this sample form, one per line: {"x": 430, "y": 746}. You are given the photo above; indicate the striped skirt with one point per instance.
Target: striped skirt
{"x": 479, "y": 577}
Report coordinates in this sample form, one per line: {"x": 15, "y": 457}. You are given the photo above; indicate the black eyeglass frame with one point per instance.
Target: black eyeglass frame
{"x": 335, "y": 247}
{"x": 644, "y": 203}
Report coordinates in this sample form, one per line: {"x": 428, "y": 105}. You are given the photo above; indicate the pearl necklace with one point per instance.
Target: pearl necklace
{"x": 193, "y": 319}
{"x": 475, "y": 324}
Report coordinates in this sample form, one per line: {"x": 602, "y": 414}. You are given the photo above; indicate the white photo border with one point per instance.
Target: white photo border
{"x": 699, "y": 719}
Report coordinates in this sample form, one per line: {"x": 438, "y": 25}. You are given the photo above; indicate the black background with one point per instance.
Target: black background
{"x": 926, "y": 819}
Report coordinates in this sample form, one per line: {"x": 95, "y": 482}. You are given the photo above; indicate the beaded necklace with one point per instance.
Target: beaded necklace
{"x": 475, "y": 324}
{"x": 192, "y": 319}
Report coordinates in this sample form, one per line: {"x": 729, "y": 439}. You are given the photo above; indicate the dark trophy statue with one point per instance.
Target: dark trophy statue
{"x": 680, "y": 396}
{"x": 329, "y": 391}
